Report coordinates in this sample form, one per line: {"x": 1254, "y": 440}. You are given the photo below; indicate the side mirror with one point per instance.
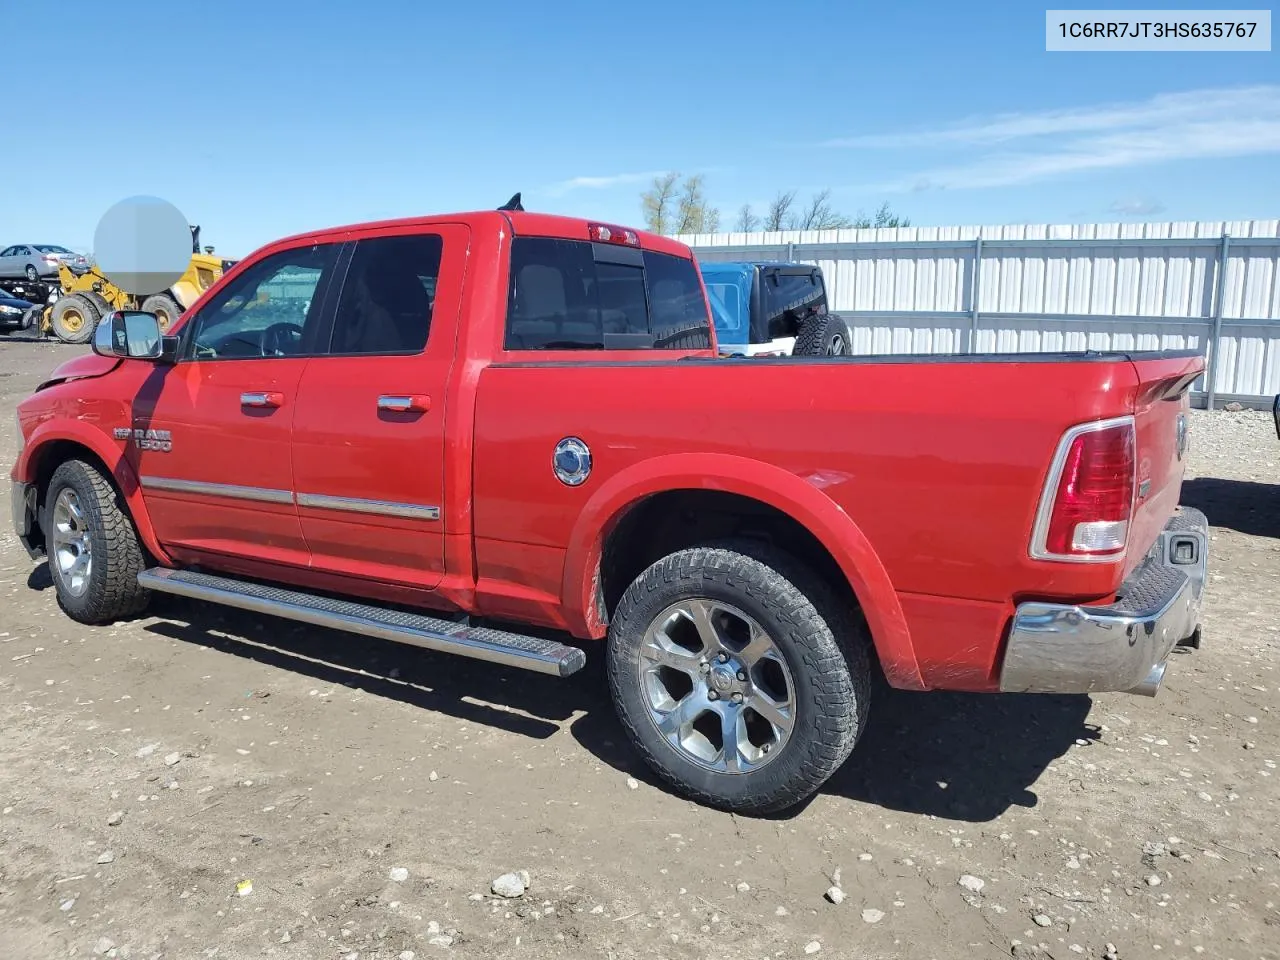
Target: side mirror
{"x": 130, "y": 335}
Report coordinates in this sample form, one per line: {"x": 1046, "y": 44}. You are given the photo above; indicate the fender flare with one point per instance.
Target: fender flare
{"x": 768, "y": 484}
{"x": 122, "y": 474}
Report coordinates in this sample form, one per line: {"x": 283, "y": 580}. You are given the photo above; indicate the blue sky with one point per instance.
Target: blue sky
{"x": 269, "y": 118}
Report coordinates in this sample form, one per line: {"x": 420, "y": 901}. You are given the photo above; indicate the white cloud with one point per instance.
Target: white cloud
{"x": 1194, "y": 125}
{"x": 1137, "y": 208}
{"x": 600, "y": 183}
{"x": 1161, "y": 110}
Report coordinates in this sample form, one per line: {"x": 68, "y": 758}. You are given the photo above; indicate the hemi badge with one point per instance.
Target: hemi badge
{"x": 122, "y": 433}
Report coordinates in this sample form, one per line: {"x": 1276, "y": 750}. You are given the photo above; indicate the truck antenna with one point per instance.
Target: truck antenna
{"x": 512, "y": 204}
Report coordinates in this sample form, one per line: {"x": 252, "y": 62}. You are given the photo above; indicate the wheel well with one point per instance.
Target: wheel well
{"x": 52, "y": 456}
{"x": 677, "y": 519}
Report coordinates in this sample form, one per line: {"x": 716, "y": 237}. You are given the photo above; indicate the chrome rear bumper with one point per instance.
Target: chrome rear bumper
{"x": 1064, "y": 648}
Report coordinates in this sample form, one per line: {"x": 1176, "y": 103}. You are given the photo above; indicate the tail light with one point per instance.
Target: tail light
{"x": 1087, "y": 501}
{"x": 604, "y": 233}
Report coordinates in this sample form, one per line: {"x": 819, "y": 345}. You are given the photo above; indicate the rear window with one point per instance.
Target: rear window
{"x": 572, "y": 294}
{"x": 796, "y": 294}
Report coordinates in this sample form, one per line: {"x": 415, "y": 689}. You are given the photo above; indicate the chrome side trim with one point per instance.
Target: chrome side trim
{"x": 385, "y": 508}
{"x": 230, "y": 490}
{"x": 1040, "y": 532}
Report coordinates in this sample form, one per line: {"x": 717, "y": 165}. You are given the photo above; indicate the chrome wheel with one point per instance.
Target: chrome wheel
{"x": 717, "y": 688}
{"x": 837, "y": 347}
{"x": 72, "y": 554}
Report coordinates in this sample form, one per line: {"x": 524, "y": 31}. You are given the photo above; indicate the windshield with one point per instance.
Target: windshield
{"x": 50, "y": 248}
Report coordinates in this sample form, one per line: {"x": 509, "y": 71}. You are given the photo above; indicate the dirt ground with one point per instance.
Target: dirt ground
{"x": 372, "y": 792}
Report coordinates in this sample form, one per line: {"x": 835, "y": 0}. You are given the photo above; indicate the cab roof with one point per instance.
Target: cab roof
{"x": 520, "y": 222}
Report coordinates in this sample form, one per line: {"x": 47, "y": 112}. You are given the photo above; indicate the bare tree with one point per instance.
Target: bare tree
{"x": 694, "y": 214}
{"x": 671, "y": 206}
{"x": 820, "y": 215}
{"x": 747, "y": 221}
{"x": 884, "y": 217}
{"x": 779, "y": 215}
{"x": 658, "y": 201}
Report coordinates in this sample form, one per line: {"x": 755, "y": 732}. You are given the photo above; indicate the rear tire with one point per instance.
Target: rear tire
{"x": 74, "y": 318}
{"x": 94, "y": 552}
{"x": 786, "y": 664}
{"x": 165, "y": 308}
{"x": 33, "y": 274}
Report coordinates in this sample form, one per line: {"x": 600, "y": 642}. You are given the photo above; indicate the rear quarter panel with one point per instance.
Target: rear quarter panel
{"x": 939, "y": 464}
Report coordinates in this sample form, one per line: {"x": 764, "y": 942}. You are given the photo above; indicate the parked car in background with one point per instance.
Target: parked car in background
{"x": 763, "y": 308}
{"x": 36, "y": 260}
{"x": 15, "y": 314}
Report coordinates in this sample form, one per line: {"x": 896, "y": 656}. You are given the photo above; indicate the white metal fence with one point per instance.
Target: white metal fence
{"x": 1211, "y": 286}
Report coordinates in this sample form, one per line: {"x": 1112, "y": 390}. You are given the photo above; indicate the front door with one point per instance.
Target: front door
{"x": 211, "y": 433}
{"x": 368, "y": 430}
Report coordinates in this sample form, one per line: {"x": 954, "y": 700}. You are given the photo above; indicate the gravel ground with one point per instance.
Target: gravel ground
{"x": 203, "y": 783}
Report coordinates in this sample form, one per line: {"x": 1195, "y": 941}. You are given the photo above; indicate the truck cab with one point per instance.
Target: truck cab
{"x": 772, "y": 309}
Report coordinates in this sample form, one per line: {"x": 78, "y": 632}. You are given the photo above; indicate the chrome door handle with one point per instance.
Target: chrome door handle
{"x": 404, "y": 403}
{"x": 265, "y": 398}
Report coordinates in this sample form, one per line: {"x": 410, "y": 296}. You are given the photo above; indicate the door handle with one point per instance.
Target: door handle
{"x": 264, "y": 398}
{"x": 404, "y": 403}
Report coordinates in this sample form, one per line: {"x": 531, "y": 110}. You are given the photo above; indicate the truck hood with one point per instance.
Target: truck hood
{"x": 80, "y": 368}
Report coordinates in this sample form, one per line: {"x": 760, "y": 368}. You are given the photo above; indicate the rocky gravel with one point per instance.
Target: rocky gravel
{"x": 205, "y": 783}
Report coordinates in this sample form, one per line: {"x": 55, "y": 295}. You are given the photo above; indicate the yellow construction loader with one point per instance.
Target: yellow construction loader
{"x": 86, "y": 297}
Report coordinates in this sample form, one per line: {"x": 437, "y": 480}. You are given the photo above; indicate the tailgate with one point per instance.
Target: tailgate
{"x": 1161, "y": 402}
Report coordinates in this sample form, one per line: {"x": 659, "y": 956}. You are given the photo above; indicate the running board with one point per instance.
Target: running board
{"x": 432, "y": 633}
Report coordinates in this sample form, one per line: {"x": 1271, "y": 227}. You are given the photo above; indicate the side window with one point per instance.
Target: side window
{"x": 272, "y": 309}
{"x": 8, "y": 252}
{"x": 562, "y": 298}
{"x": 388, "y": 295}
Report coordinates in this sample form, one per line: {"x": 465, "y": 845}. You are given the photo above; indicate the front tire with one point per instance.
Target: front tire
{"x": 94, "y": 553}
{"x": 738, "y": 676}
{"x": 74, "y": 318}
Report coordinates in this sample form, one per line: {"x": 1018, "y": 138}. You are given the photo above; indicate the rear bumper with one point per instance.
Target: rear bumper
{"x": 1063, "y": 648}
{"x": 23, "y": 505}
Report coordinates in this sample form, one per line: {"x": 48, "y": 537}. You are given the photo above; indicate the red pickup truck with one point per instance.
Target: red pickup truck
{"x": 460, "y": 431}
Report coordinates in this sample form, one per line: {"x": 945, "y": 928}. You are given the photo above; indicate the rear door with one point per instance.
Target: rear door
{"x": 211, "y": 433}
{"x": 368, "y": 441}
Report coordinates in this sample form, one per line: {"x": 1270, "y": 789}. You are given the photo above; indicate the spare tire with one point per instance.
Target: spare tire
{"x": 822, "y": 335}
{"x": 74, "y": 318}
